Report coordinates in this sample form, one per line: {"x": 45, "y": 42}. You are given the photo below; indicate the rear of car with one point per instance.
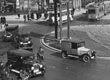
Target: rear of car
{"x": 10, "y": 32}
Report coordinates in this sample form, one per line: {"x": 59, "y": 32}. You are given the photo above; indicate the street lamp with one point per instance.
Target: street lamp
{"x": 68, "y": 18}
{"x": 60, "y": 21}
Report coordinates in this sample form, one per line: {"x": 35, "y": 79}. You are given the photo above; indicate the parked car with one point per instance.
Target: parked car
{"x": 76, "y": 48}
{"x": 22, "y": 63}
{"x": 24, "y": 41}
{"x": 10, "y": 33}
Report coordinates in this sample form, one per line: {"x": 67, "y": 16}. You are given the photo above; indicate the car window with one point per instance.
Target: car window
{"x": 80, "y": 44}
{"x": 74, "y": 46}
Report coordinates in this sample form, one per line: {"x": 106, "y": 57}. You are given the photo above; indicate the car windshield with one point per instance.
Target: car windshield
{"x": 11, "y": 28}
{"x": 81, "y": 44}
{"x": 25, "y": 37}
{"x": 91, "y": 11}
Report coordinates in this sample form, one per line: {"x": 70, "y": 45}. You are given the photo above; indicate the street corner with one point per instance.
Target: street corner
{"x": 91, "y": 42}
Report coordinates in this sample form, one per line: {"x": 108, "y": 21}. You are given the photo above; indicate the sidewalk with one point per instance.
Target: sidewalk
{"x": 15, "y": 17}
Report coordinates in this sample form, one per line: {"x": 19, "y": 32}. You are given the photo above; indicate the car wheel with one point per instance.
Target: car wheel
{"x": 24, "y": 75}
{"x": 64, "y": 54}
{"x": 85, "y": 58}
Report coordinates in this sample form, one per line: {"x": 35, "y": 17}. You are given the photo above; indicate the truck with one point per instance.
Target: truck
{"x": 76, "y": 48}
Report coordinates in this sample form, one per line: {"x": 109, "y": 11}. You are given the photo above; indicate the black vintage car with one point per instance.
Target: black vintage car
{"x": 24, "y": 41}
{"x": 22, "y": 63}
{"x": 10, "y": 32}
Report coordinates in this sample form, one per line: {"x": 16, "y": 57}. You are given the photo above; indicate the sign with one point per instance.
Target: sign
{"x": 17, "y": 4}
{"x": 51, "y": 1}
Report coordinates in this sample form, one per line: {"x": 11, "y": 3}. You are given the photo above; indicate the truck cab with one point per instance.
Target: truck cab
{"x": 76, "y": 48}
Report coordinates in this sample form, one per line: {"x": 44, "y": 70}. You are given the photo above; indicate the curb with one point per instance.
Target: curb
{"x": 49, "y": 47}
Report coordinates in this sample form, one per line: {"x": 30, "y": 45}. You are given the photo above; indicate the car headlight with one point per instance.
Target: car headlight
{"x": 5, "y": 35}
{"x": 89, "y": 53}
{"x": 8, "y": 35}
{"x": 21, "y": 42}
{"x": 29, "y": 42}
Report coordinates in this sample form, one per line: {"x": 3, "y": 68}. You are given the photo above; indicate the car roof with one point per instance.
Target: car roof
{"x": 12, "y": 27}
{"x": 20, "y": 52}
{"x": 24, "y": 34}
{"x": 73, "y": 40}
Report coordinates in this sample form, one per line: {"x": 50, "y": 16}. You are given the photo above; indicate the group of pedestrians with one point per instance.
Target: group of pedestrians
{"x": 24, "y": 17}
{"x": 27, "y": 17}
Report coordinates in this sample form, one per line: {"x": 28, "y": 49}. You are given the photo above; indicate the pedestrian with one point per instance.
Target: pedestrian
{"x": 28, "y": 17}
{"x": 37, "y": 15}
{"x": 3, "y": 20}
{"x": 18, "y": 15}
{"x": 72, "y": 12}
{"x": 40, "y": 54}
{"x": 24, "y": 17}
{"x": 45, "y": 15}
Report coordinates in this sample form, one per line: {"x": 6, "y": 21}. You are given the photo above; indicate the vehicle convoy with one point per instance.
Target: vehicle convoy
{"x": 10, "y": 33}
{"x": 76, "y": 48}
{"x": 22, "y": 63}
{"x": 23, "y": 41}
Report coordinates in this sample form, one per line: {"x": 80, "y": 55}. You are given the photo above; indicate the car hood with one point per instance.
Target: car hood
{"x": 83, "y": 49}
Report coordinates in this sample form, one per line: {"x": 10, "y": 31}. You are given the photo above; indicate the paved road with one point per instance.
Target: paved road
{"x": 66, "y": 69}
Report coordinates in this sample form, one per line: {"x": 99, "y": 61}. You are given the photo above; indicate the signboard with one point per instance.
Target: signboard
{"x": 17, "y": 4}
{"x": 51, "y": 1}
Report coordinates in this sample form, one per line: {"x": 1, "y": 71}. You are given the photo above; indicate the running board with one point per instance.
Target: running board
{"x": 73, "y": 56}
{"x": 13, "y": 70}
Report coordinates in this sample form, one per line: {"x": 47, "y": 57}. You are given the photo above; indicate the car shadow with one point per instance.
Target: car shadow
{"x": 58, "y": 54}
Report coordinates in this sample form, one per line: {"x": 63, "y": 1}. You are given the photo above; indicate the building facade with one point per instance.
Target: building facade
{"x": 72, "y": 3}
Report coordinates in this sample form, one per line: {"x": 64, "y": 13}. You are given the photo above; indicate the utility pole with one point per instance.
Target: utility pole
{"x": 28, "y": 4}
{"x": 68, "y": 18}
{"x": 60, "y": 21}
{"x": 55, "y": 17}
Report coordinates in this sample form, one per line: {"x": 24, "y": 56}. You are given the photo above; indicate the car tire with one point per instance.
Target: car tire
{"x": 86, "y": 58}
{"x": 43, "y": 71}
{"x": 24, "y": 75}
{"x": 64, "y": 54}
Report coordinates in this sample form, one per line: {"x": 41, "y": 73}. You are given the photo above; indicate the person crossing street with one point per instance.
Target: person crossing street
{"x": 40, "y": 54}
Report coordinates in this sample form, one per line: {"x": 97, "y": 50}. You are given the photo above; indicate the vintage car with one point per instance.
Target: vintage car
{"x": 76, "y": 48}
{"x": 10, "y": 32}
{"x": 23, "y": 64}
{"x": 24, "y": 41}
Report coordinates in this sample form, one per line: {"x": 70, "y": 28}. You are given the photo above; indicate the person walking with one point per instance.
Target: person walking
{"x": 24, "y": 17}
{"x": 40, "y": 54}
{"x": 18, "y": 15}
{"x": 72, "y": 12}
{"x": 28, "y": 17}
